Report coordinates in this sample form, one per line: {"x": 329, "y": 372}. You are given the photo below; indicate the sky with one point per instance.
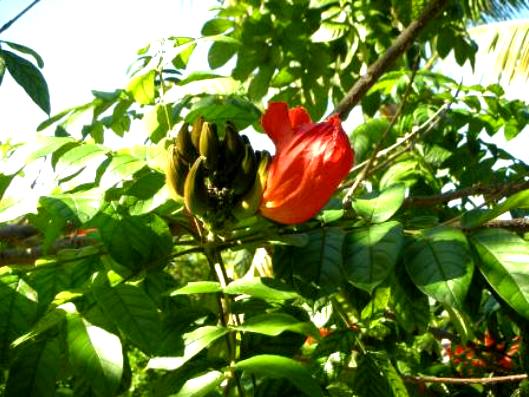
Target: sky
{"x": 86, "y": 45}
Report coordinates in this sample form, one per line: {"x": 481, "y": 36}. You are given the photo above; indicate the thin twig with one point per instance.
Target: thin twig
{"x": 349, "y": 194}
{"x": 26, "y": 256}
{"x": 454, "y": 381}
{"x": 11, "y": 22}
{"x": 397, "y": 48}
{"x": 477, "y": 189}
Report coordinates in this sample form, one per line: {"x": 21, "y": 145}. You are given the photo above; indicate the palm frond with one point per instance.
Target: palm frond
{"x": 496, "y": 10}
{"x": 503, "y": 50}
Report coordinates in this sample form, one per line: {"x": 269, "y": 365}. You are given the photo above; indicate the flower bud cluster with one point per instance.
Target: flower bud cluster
{"x": 220, "y": 178}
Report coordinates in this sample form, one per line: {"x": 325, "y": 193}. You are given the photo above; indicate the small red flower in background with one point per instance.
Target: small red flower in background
{"x": 311, "y": 160}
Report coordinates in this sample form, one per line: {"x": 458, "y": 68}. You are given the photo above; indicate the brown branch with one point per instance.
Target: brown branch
{"x": 398, "y": 47}
{"x": 516, "y": 224}
{"x": 26, "y": 256}
{"x": 455, "y": 381}
{"x": 11, "y": 233}
{"x": 478, "y": 189}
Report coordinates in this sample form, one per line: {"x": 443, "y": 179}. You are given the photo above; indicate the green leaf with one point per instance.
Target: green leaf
{"x": 157, "y": 121}
{"x": 503, "y": 262}
{"x": 202, "y": 385}
{"x": 282, "y": 367}
{"x": 316, "y": 268}
{"x": 197, "y": 76}
{"x": 194, "y": 343}
{"x": 376, "y": 376}
{"x": 220, "y": 109}
{"x": 135, "y": 241}
{"x": 221, "y": 52}
{"x": 29, "y": 78}
{"x": 260, "y": 82}
{"x": 370, "y": 254}
{"x": 142, "y": 88}
{"x": 181, "y": 59}
{"x": 262, "y": 288}
{"x": 95, "y": 355}
{"x": 378, "y": 207}
{"x": 439, "y": 264}
{"x": 35, "y": 370}
{"x": 2, "y": 68}
{"x": 366, "y": 136}
{"x": 198, "y": 287}
{"x": 273, "y": 324}
{"x": 409, "y": 304}
{"x": 17, "y": 311}
{"x": 478, "y": 217}
{"x": 5, "y": 180}
{"x": 25, "y": 50}
{"x": 216, "y": 26}
{"x": 132, "y": 311}
{"x": 78, "y": 157}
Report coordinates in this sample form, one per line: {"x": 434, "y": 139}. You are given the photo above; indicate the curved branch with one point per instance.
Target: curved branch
{"x": 398, "y": 47}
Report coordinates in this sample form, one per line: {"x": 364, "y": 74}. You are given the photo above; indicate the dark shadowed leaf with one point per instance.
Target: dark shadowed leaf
{"x": 376, "y": 376}
{"x": 29, "y": 78}
{"x": 17, "y": 311}
{"x": 35, "y": 370}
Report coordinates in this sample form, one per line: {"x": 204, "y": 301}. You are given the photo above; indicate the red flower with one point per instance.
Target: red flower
{"x": 311, "y": 160}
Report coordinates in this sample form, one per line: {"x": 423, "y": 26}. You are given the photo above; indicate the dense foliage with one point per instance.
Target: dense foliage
{"x": 412, "y": 279}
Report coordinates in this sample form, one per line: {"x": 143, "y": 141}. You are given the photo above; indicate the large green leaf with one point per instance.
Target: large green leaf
{"x": 78, "y": 157}
{"x": 378, "y": 207}
{"x": 370, "y": 254}
{"x": 273, "y": 324}
{"x": 95, "y": 355}
{"x": 29, "y": 77}
{"x": 477, "y": 217}
{"x": 17, "y": 311}
{"x": 376, "y": 376}
{"x": 35, "y": 369}
{"x": 133, "y": 312}
{"x": 262, "y": 288}
{"x": 282, "y": 367}
{"x": 316, "y": 267}
{"x": 504, "y": 259}
{"x": 194, "y": 342}
{"x": 135, "y": 241}
{"x": 439, "y": 263}
{"x": 142, "y": 88}
{"x": 410, "y": 305}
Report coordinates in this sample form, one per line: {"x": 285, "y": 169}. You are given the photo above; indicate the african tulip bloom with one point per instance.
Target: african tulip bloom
{"x": 310, "y": 162}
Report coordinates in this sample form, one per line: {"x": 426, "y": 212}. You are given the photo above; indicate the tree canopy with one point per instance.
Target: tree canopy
{"x": 159, "y": 269}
